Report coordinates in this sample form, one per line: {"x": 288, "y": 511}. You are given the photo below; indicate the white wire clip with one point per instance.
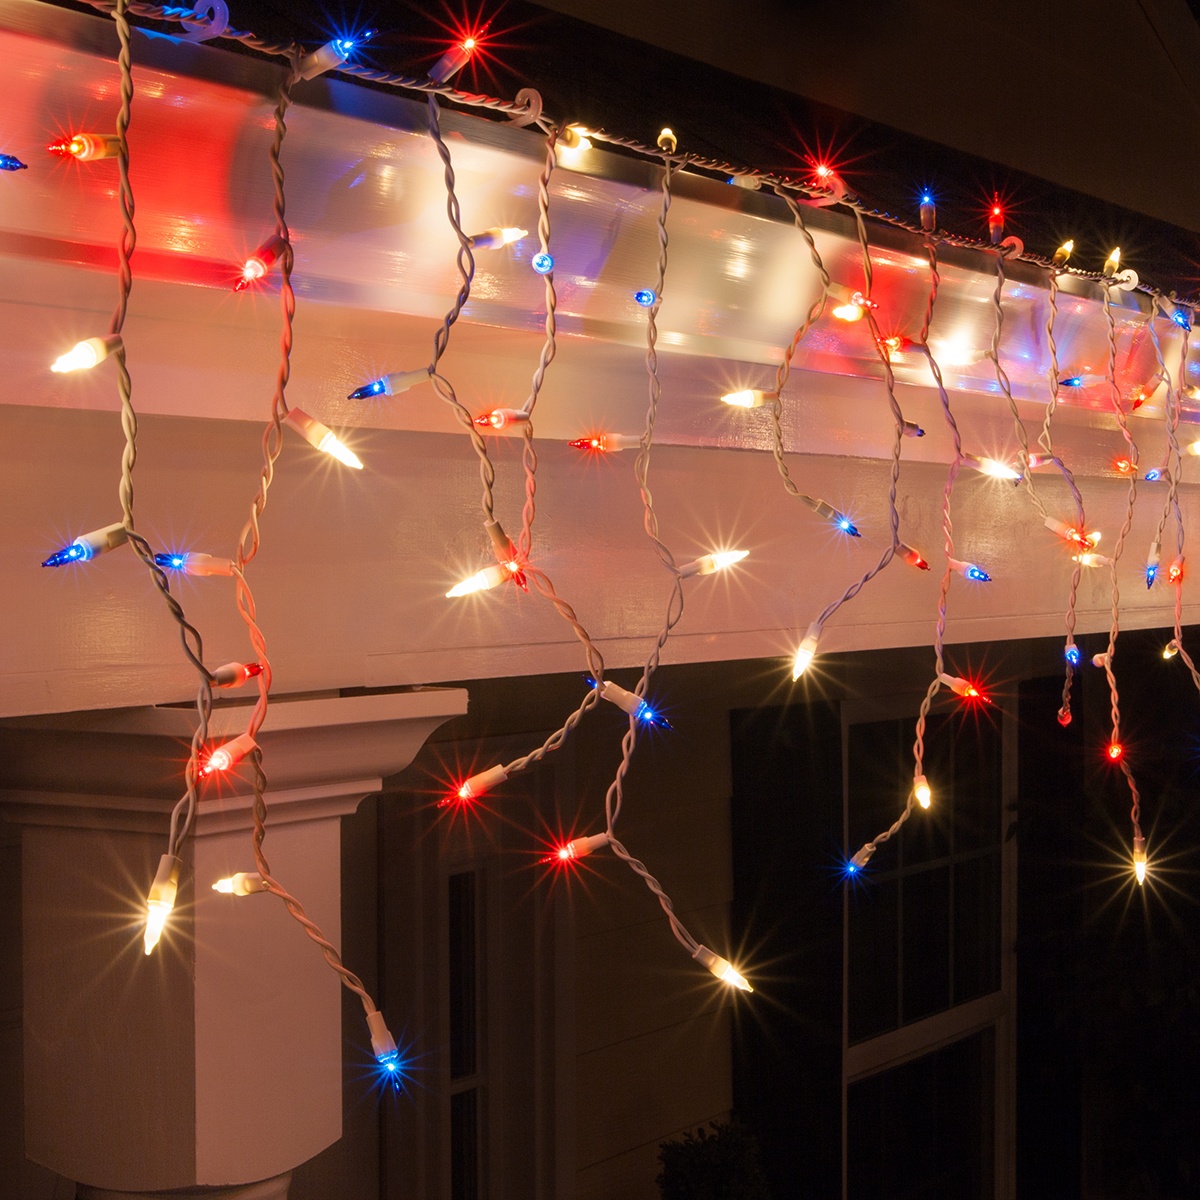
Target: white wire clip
{"x": 532, "y": 99}
{"x": 209, "y": 20}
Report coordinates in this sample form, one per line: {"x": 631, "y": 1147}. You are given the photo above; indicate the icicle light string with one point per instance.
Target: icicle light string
{"x": 183, "y": 813}
{"x": 1046, "y": 441}
{"x": 1116, "y": 750}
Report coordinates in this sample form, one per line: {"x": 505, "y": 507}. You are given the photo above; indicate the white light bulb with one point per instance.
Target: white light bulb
{"x": 1139, "y": 859}
{"x": 721, "y": 968}
{"x": 160, "y": 900}
{"x": 322, "y": 438}
{"x": 489, "y": 577}
{"x": 806, "y": 651}
{"x": 244, "y": 883}
{"x": 709, "y": 563}
{"x": 493, "y": 239}
{"x": 922, "y": 791}
{"x": 749, "y": 398}
{"x": 86, "y": 354}
{"x": 993, "y": 467}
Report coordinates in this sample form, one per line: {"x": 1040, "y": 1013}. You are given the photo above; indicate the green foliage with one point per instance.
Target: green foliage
{"x": 720, "y": 1163}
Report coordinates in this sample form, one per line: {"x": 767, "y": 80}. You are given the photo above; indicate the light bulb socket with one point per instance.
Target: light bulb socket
{"x": 328, "y": 58}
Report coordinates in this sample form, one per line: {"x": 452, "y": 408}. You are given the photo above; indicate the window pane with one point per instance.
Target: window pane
{"x": 874, "y": 959}
{"x": 926, "y": 957}
{"x": 464, "y": 1145}
{"x": 463, "y": 975}
{"x": 976, "y": 927}
{"x": 925, "y": 1130}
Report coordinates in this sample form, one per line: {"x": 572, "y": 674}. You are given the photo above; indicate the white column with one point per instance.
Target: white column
{"x": 218, "y": 1059}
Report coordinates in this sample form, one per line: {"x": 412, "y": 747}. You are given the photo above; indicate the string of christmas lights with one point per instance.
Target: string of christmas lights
{"x": 513, "y": 559}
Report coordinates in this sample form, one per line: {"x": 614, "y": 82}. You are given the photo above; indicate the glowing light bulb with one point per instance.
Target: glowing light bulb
{"x": 1170, "y": 650}
{"x": 606, "y": 443}
{"x": 453, "y": 60}
{"x": 390, "y": 385}
{"x": 160, "y": 900}
{"x": 476, "y": 786}
{"x": 1139, "y": 859}
{"x": 572, "y": 144}
{"x": 928, "y": 212}
{"x": 1063, "y": 253}
{"x": 194, "y": 564}
{"x": 1088, "y": 559}
{"x": 9, "y": 162}
{"x": 910, "y": 556}
{"x": 1071, "y": 381}
{"x": 383, "y": 1046}
{"x": 576, "y": 849}
{"x": 709, "y": 563}
{"x": 87, "y": 147}
{"x": 1181, "y": 318}
{"x": 749, "y": 398}
{"x": 860, "y": 858}
{"x": 838, "y": 519}
{"x": 993, "y": 467}
{"x": 667, "y": 140}
{"x": 260, "y": 262}
{"x": 645, "y": 297}
{"x": 1112, "y": 264}
{"x": 543, "y": 263}
{"x": 806, "y": 651}
{"x": 721, "y": 968}
{"x": 1115, "y": 751}
{"x": 1193, "y": 448}
{"x": 225, "y": 757}
{"x": 322, "y": 438}
{"x": 922, "y": 791}
{"x": 484, "y": 580}
{"x": 751, "y": 183}
{"x": 1071, "y": 654}
{"x": 244, "y": 883}
{"x": 912, "y": 429}
{"x": 996, "y": 221}
{"x": 493, "y": 239}
{"x": 632, "y": 703}
{"x": 234, "y": 674}
{"x": 1069, "y": 533}
{"x": 502, "y": 418}
{"x": 86, "y": 354}
{"x": 85, "y": 547}
{"x": 850, "y": 305}
{"x": 1175, "y": 571}
{"x": 964, "y": 688}
{"x": 1123, "y": 466}
{"x": 969, "y": 571}
{"x": 328, "y": 58}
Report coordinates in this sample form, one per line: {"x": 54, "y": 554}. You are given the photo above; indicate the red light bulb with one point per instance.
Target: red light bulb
{"x": 1123, "y": 465}
{"x": 86, "y": 147}
{"x": 996, "y": 220}
{"x": 1115, "y": 751}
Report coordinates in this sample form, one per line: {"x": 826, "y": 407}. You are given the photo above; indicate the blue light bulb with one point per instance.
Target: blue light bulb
{"x": 171, "y": 562}
{"x": 1071, "y": 654}
{"x": 10, "y": 163}
{"x": 979, "y": 576}
{"x": 847, "y": 526}
{"x": 648, "y": 715}
{"x": 1071, "y": 381}
{"x": 543, "y": 264}
{"x": 1151, "y": 574}
{"x": 75, "y": 552}
{"x": 645, "y": 297}
{"x": 1180, "y": 317}
{"x": 926, "y": 198}
{"x": 375, "y": 388}
{"x": 1153, "y": 475}
{"x": 391, "y": 1069}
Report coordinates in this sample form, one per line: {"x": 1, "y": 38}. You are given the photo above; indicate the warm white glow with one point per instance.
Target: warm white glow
{"x": 996, "y": 469}
{"x": 957, "y": 351}
{"x": 726, "y": 558}
{"x": 157, "y": 912}
{"x": 922, "y": 791}
{"x": 1139, "y": 859}
{"x": 749, "y": 398}
{"x": 489, "y": 577}
{"x": 848, "y": 312}
{"x": 1112, "y": 263}
{"x": 806, "y": 652}
{"x": 1170, "y": 650}
{"x": 81, "y": 357}
{"x": 573, "y": 143}
{"x": 244, "y": 883}
{"x": 722, "y": 968}
{"x": 336, "y": 448}
{"x": 1193, "y": 448}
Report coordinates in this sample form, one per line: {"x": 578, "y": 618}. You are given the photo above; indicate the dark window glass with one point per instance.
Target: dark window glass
{"x": 925, "y": 1130}
{"x": 464, "y": 1145}
{"x": 463, "y": 976}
